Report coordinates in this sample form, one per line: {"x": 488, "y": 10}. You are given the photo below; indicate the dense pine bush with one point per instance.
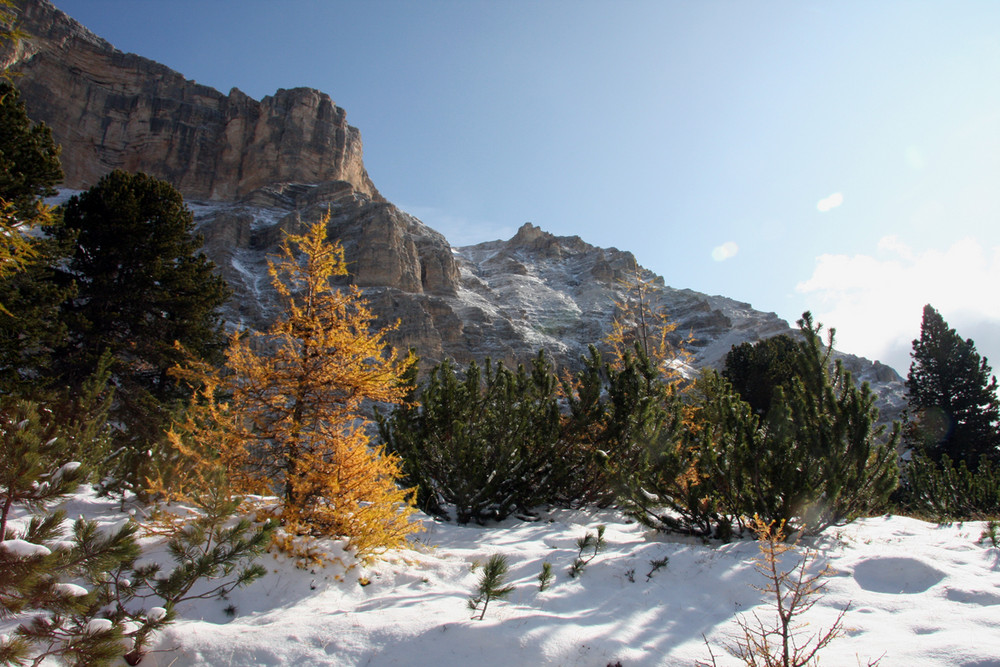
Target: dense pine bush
{"x": 817, "y": 458}
{"x": 945, "y": 491}
{"x": 484, "y": 443}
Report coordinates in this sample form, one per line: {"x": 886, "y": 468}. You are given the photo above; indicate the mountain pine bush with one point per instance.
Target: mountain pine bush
{"x": 817, "y": 458}
{"x": 486, "y": 444}
{"x": 945, "y": 491}
{"x": 623, "y": 418}
{"x": 80, "y": 597}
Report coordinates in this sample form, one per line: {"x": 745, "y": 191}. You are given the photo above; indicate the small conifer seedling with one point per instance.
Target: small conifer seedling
{"x": 594, "y": 541}
{"x": 491, "y": 584}
{"x": 545, "y": 577}
{"x": 991, "y": 534}
{"x": 656, "y": 565}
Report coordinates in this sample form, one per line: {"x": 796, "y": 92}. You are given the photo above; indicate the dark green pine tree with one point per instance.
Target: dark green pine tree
{"x": 29, "y": 158}
{"x": 954, "y": 405}
{"x": 484, "y": 444}
{"x": 31, "y": 328}
{"x": 143, "y": 285}
{"x": 756, "y": 369}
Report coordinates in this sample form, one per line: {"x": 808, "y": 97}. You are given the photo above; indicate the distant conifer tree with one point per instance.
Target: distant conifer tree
{"x": 954, "y": 404}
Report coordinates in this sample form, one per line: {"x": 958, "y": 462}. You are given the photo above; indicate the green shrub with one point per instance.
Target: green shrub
{"x": 817, "y": 458}
{"x": 486, "y": 444}
{"x": 948, "y": 492}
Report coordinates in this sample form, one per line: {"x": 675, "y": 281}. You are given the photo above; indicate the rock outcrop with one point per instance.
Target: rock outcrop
{"x": 113, "y": 110}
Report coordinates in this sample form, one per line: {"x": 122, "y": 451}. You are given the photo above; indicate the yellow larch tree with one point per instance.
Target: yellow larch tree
{"x": 292, "y": 423}
{"x": 638, "y": 322}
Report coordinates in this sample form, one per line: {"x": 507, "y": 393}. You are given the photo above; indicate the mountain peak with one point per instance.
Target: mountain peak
{"x": 528, "y": 234}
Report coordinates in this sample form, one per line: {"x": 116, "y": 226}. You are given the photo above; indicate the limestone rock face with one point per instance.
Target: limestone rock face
{"x": 113, "y": 110}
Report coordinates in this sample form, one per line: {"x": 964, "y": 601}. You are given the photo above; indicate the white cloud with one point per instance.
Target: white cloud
{"x": 875, "y": 302}
{"x": 727, "y": 250}
{"x": 830, "y": 203}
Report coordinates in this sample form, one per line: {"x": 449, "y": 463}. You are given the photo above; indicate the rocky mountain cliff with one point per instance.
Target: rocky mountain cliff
{"x": 250, "y": 169}
{"x": 113, "y": 110}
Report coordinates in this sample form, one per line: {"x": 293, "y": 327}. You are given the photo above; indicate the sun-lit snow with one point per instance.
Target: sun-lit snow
{"x": 919, "y": 594}
{"x": 19, "y": 548}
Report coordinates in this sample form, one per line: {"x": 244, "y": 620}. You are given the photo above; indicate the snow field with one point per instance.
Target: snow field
{"x": 920, "y": 594}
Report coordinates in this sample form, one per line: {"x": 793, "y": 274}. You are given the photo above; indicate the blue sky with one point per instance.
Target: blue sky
{"x": 841, "y": 157}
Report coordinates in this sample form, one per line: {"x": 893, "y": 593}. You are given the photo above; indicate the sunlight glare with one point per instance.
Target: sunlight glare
{"x": 725, "y": 251}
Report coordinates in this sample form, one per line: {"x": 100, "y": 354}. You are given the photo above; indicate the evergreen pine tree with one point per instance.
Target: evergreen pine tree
{"x": 953, "y": 398}
{"x": 142, "y": 286}
{"x": 29, "y": 170}
{"x": 756, "y": 369}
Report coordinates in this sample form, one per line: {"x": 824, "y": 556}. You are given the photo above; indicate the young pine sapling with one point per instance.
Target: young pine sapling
{"x": 491, "y": 584}
{"x": 594, "y": 541}
{"x": 545, "y": 577}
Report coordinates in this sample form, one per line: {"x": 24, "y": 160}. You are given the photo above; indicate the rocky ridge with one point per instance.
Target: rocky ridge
{"x": 251, "y": 170}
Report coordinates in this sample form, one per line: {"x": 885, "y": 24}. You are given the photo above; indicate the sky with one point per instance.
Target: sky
{"x": 837, "y": 157}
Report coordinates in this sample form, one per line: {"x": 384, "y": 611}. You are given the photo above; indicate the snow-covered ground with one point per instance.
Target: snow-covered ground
{"x": 919, "y": 594}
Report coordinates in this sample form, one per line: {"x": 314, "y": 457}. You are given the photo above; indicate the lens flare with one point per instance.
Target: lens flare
{"x": 727, "y": 250}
